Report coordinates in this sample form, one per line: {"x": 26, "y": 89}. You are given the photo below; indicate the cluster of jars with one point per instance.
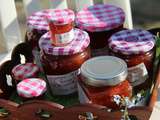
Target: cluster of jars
{"x": 121, "y": 59}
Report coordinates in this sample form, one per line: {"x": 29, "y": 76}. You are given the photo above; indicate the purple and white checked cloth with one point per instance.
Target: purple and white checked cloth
{"x": 100, "y": 17}
{"x": 130, "y": 42}
{"x": 61, "y": 16}
{"x": 39, "y": 20}
{"x": 32, "y": 87}
{"x": 79, "y": 43}
{"x": 26, "y": 70}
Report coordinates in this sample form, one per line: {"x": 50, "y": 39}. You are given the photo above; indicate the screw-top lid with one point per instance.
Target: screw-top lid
{"x": 129, "y": 42}
{"x": 31, "y": 87}
{"x": 79, "y": 43}
{"x": 104, "y": 71}
{"x": 26, "y": 70}
{"x": 100, "y": 17}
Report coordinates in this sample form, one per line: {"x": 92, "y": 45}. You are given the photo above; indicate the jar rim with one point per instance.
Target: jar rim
{"x": 104, "y": 71}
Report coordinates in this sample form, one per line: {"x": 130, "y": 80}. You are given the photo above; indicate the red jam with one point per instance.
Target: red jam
{"x": 61, "y": 64}
{"x": 104, "y": 95}
{"x": 139, "y": 57}
{"x": 100, "y": 81}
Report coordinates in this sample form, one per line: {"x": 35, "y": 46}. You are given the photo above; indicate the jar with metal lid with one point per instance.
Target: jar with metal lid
{"x": 61, "y": 64}
{"x": 23, "y": 71}
{"x": 37, "y": 25}
{"x": 61, "y": 26}
{"x": 103, "y": 77}
{"x": 136, "y": 47}
{"x": 100, "y": 21}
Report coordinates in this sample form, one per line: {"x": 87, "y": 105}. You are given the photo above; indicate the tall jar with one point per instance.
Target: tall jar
{"x": 103, "y": 77}
{"x": 61, "y": 64}
{"x": 61, "y": 26}
{"x": 100, "y": 21}
{"x": 136, "y": 47}
{"x": 37, "y": 25}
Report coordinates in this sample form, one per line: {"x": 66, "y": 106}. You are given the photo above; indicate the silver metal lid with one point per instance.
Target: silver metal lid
{"x": 104, "y": 71}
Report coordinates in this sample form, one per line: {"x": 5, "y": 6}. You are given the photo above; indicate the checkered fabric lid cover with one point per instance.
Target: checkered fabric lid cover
{"x": 132, "y": 42}
{"x": 26, "y": 70}
{"x": 79, "y": 43}
{"x": 32, "y": 87}
{"x": 38, "y": 20}
{"x": 61, "y": 16}
{"x": 100, "y": 17}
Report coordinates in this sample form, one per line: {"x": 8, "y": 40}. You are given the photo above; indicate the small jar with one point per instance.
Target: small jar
{"x": 23, "y": 71}
{"x": 37, "y": 25}
{"x": 100, "y": 21}
{"x": 61, "y": 64}
{"x": 61, "y": 26}
{"x": 136, "y": 47}
{"x": 31, "y": 88}
{"x": 103, "y": 77}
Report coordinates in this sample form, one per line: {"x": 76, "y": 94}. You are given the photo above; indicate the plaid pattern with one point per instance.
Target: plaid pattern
{"x": 32, "y": 87}
{"x": 100, "y": 17}
{"x": 79, "y": 43}
{"x": 26, "y": 70}
{"x": 132, "y": 42}
{"x": 61, "y": 16}
{"x": 38, "y": 20}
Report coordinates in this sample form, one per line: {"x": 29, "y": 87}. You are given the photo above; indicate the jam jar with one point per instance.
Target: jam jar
{"x": 136, "y": 47}
{"x": 103, "y": 77}
{"x": 23, "y": 71}
{"x": 100, "y": 21}
{"x": 61, "y": 26}
{"x": 37, "y": 25}
{"x": 31, "y": 88}
{"x": 61, "y": 64}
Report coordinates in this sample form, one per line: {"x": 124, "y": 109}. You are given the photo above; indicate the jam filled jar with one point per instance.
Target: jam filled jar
{"x": 100, "y": 21}
{"x": 103, "y": 77}
{"x": 37, "y": 25}
{"x": 61, "y": 26}
{"x": 136, "y": 47}
{"x": 61, "y": 64}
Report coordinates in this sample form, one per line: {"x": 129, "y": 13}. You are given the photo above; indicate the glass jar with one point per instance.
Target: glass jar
{"x": 61, "y": 26}
{"x": 61, "y": 64}
{"x": 37, "y": 25}
{"x": 136, "y": 47}
{"x": 23, "y": 71}
{"x": 103, "y": 77}
{"x": 100, "y": 21}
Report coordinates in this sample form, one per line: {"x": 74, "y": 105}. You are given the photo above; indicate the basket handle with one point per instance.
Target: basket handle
{"x": 5, "y": 69}
{"x": 22, "y": 49}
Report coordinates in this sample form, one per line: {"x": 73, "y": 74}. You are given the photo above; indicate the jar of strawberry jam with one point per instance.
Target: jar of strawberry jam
{"x": 61, "y": 26}
{"x": 37, "y": 25}
{"x": 103, "y": 77}
{"x": 100, "y": 21}
{"x": 61, "y": 64}
{"x": 136, "y": 47}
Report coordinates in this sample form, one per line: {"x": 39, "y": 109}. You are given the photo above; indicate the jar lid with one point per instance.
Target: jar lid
{"x": 104, "y": 71}
{"x": 38, "y": 20}
{"x": 78, "y": 44}
{"x": 23, "y": 71}
{"x": 100, "y": 17}
{"x": 32, "y": 87}
{"x": 132, "y": 42}
{"x": 61, "y": 16}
